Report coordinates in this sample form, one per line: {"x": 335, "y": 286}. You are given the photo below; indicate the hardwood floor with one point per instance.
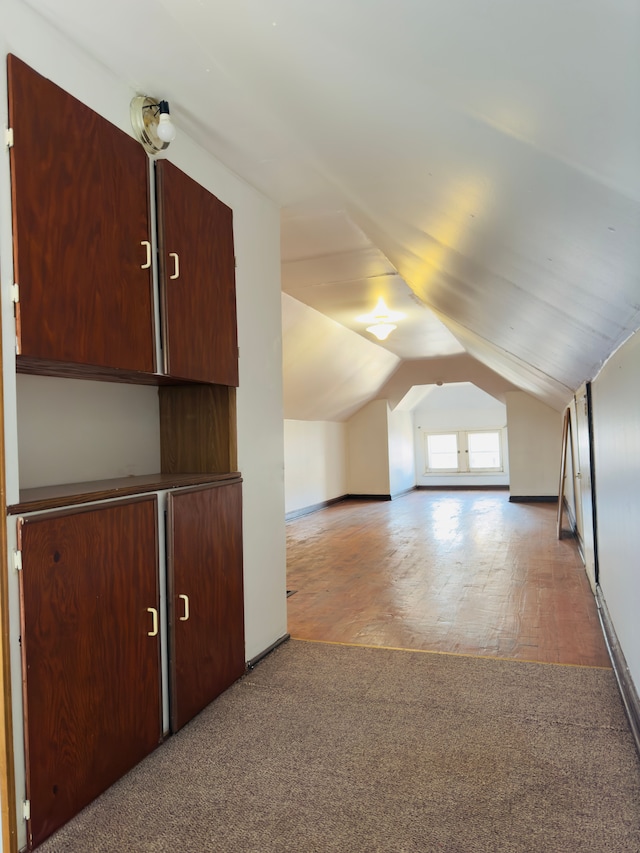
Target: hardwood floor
{"x": 462, "y": 572}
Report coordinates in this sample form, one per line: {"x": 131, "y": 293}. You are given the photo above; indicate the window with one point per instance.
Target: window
{"x": 463, "y": 452}
{"x": 443, "y": 452}
{"x": 484, "y": 451}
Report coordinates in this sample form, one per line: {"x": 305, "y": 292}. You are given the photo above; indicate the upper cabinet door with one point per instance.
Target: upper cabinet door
{"x": 197, "y": 280}
{"x": 81, "y": 227}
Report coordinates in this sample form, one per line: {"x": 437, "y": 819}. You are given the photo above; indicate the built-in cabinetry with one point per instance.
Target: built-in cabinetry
{"x": 203, "y": 534}
{"x": 81, "y": 233}
{"x": 91, "y": 652}
{"x": 92, "y": 555}
{"x": 197, "y": 280}
{"x": 83, "y": 249}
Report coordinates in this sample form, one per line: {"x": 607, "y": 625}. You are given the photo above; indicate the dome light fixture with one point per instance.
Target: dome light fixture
{"x": 381, "y": 330}
{"x": 383, "y": 321}
{"x": 151, "y": 122}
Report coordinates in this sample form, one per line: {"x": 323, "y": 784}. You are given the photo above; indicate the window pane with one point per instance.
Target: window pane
{"x": 484, "y": 450}
{"x": 443, "y": 451}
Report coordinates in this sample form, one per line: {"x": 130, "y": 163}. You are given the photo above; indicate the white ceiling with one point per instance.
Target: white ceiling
{"x": 476, "y": 163}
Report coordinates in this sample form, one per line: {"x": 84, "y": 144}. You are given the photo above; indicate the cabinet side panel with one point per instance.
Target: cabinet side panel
{"x": 80, "y": 190}
{"x": 197, "y": 279}
{"x": 92, "y": 684}
{"x": 206, "y": 602}
{"x": 198, "y": 429}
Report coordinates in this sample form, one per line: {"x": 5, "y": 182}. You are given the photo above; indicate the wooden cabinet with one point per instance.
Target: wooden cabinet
{"x": 93, "y": 675}
{"x": 91, "y": 628}
{"x": 91, "y": 653}
{"x": 197, "y": 280}
{"x": 83, "y": 249}
{"x": 81, "y": 232}
{"x": 205, "y": 596}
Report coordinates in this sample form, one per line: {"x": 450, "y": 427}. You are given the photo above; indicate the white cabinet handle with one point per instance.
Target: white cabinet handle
{"x": 185, "y": 615}
{"x": 147, "y": 263}
{"x": 154, "y": 622}
{"x": 176, "y": 265}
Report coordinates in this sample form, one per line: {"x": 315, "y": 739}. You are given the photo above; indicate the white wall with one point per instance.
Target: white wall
{"x": 401, "y": 452}
{"x": 457, "y": 407}
{"x": 370, "y": 455}
{"x": 315, "y": 463}
{"x": 616, "y": 428}
{"x": 89, "y": 431}
{"x": 368, "y": 450}
{"x": 535, "y": 446}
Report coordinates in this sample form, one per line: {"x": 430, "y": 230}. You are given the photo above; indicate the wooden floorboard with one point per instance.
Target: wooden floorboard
{"x": 462, "y": 572}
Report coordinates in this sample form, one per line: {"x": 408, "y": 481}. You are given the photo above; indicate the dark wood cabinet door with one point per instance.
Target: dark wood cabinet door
{"x": 80, "y": 191}
{"x": 91, "y": 670}
{"x": 206, "y": 606}
{"x": 197, "y": 280}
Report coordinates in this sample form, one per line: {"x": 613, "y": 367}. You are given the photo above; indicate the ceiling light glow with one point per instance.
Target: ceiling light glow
{"x": 381, "y": 330}
{"x": 382, "y": 320}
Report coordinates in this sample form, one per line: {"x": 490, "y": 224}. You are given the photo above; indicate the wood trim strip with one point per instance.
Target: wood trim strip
{"x": 545, "y": 499}
{"x": 70, "y": 494}
{"x": 8, "y": 816}
{"x": 7, "y": 767}
{"x": 566, "y": 433}
{"x": 457, "y": 488}
{"x": 368, "y": 497}
{"x": 67, "y": 370}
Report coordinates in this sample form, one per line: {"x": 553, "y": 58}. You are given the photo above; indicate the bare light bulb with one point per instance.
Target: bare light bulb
{"x": 166, "y": 129}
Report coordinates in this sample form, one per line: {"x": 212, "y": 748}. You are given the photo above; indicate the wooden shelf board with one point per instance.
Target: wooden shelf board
{"x": 70, "y": 494}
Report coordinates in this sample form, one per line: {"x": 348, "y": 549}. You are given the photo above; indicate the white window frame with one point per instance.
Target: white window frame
{"x": 463, "y": 452}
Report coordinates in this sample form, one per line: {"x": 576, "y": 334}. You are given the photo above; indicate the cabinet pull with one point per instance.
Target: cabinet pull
{"x": 185, "y": 615}
{"x": 147, "y": 263}
{"x": 154, "y": 622}
{"x": 176, "y": 265}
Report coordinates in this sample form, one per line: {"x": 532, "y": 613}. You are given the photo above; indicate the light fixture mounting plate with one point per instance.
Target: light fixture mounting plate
{"x": 145, "y": 115}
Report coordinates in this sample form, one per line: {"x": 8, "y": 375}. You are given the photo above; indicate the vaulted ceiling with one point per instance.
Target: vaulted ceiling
{"x": 477, "y": 164}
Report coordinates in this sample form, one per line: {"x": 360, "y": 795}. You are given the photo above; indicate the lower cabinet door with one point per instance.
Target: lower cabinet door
{"x": 91, "y": 653}
{"x": 206, "y": 606}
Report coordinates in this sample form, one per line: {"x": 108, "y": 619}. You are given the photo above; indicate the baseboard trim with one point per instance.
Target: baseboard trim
{"x": 368, "y": 497}
{"x": 456, "y": 488}
{"x": 307, "y": 510}
{"x": 251, "y": 664}
{"x": 541, "y": 499}
{"x": 620, "y": 668}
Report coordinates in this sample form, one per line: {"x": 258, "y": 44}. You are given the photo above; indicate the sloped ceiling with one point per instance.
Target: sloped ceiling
{"x": 321, "y": 385}
{"x": 475, "y": 163}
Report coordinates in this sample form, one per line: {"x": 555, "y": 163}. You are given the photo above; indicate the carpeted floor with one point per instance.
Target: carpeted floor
{"x": 327, "y": 748}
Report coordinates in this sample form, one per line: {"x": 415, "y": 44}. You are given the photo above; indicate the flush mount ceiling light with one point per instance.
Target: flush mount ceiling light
{"x": 152, "y": 123}
{"x": 383, "y": 321}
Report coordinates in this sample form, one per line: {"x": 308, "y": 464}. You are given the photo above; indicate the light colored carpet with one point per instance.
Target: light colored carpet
{"x": 337, "y": 748}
